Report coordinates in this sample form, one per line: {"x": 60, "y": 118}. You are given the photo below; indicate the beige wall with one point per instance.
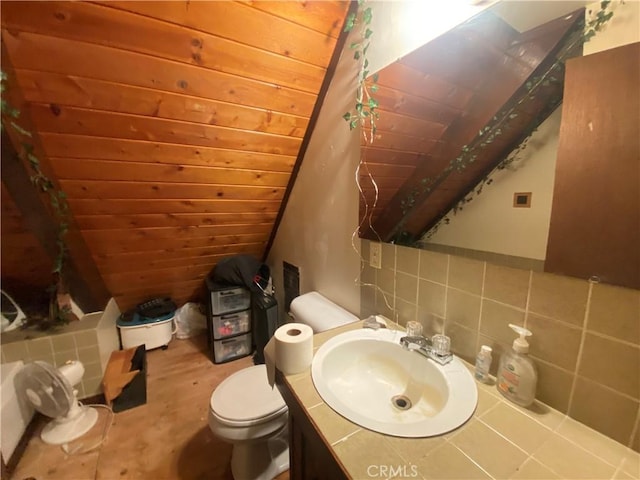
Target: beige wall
{"x": 315, "y": 232}
{"x": 622, "y": 29}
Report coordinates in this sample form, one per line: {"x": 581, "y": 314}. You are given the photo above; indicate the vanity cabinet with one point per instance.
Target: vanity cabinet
{"x": 595, "y": 219}
{"x": 310, "y": 457}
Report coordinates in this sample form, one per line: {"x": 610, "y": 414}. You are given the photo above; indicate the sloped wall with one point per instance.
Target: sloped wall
{"x": 172, "y": 126}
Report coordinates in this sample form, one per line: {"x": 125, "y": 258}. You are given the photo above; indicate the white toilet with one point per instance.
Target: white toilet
{"x": 244, "y": 410}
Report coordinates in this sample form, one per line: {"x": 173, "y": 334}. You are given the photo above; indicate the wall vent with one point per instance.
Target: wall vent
{"x": 522, "y": 200}
{"x": 291, "y": 280}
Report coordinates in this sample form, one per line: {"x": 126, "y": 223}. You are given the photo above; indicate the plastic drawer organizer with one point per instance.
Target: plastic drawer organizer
{"x": 229, "y": 322}
{"x": 229, "y": 299}
{"x": 231, "y": 348}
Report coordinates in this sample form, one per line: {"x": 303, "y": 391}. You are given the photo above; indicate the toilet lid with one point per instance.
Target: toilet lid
{"x": 246, "y": 398}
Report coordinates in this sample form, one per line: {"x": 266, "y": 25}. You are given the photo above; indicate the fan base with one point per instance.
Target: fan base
{"x": 63, "y": 430}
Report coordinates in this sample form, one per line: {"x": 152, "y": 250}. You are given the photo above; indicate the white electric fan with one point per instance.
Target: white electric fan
{"x": 51, "y": 392}
{"x": 11, "y": 316}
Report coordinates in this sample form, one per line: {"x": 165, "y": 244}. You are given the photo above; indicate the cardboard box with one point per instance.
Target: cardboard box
{"x": 125, "y": 379}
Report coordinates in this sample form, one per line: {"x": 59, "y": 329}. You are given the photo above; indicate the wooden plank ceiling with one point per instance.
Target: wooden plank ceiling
{"x": 173, "y": 127}
{"x": 435, "y": 100}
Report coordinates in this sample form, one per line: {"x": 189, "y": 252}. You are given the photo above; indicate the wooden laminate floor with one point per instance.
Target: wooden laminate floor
{"x": 167, "y": 438}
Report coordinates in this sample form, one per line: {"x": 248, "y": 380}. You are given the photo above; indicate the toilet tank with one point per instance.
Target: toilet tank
{"x": 319, "y": 312}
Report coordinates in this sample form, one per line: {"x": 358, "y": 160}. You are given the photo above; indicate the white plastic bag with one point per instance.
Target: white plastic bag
{"x": 189, "y": 321}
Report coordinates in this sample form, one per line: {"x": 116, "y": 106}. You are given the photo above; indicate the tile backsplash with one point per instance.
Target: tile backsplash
{"x": 586, "y": 336}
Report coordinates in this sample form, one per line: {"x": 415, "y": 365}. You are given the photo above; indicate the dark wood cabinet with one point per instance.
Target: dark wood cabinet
{"x": 595, "y": 219}
{"x": 310, "y": 458}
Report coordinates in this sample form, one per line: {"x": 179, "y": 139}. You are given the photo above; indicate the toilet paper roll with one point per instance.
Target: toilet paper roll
{"x": 290, "y": 350}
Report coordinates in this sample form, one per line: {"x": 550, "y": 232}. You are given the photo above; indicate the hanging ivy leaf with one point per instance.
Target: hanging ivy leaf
{"x": 367, "y": 15}
{"x": 351, "y": 22}
{"x": 364, "y": 109}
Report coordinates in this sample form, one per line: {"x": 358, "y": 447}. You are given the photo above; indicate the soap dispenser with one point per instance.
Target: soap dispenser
{"x": 517, "y": 375}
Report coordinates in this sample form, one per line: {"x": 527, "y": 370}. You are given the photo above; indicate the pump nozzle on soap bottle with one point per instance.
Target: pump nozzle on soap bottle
{"x": 517, "y": 375}
{"x": 520, "y": 344}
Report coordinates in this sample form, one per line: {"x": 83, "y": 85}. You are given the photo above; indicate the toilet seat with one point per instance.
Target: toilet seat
{"x": 245, "y": 399}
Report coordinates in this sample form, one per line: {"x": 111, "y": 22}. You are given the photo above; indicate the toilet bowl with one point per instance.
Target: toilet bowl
{"x": 244, "y": 410}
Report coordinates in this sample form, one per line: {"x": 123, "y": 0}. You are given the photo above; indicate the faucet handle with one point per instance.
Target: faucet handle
{"x": 414, "y": 329}
{"x": 441, "y": 344}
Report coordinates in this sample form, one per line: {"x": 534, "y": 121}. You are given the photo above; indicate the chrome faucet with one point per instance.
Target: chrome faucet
{"x": 424, "y": 346}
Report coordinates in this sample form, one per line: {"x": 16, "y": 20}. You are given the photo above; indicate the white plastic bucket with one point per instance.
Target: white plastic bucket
{"x": 152, "y": 335}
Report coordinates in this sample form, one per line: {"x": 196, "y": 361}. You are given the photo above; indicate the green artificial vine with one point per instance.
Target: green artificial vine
{"x": 598, "y": 20}
{"x": 58, "y": 314}
{"x": 365, "y": 111}
{"x": 503, "y": 121}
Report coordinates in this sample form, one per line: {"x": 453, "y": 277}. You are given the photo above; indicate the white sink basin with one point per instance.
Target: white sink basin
{"x": 368, "y": 378}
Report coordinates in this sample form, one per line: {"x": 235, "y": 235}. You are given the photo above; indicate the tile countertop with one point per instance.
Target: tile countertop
{"x": 501, "y": 441}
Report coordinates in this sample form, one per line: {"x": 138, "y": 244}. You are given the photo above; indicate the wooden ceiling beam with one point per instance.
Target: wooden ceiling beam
{"x": 80, "y": 273}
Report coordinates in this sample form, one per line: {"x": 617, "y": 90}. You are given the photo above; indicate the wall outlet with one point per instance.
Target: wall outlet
{"x": 375, "y": 254}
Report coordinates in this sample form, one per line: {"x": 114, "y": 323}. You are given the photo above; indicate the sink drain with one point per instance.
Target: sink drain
{"x": 401, "y": 402}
